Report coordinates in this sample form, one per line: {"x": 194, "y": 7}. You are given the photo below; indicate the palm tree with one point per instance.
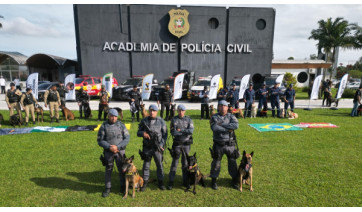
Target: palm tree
{"x": 332, "y": 35}
{"x": 0, "y": 22}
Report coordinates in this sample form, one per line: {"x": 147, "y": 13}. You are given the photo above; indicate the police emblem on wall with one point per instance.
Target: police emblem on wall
{"x": 179, "y": 24}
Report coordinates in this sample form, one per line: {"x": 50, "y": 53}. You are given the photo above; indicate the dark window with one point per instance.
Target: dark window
{"x": 89, "y": 81}
{"x": 302, "y": 77}
{"x": 260, "y": 24}
{"x": 213, "y": 23}
{"x": 96, "y": 80}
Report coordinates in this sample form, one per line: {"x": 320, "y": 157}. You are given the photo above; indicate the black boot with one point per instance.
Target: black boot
{"x": 234, "y": 183}
{"x": 26, "y": 123}
{"x": 143, "y": 188}
{"x": 213, "y": 184}
{"x": 170, "y": 185}
{"x": 123, "y": 189}
{"x": 106, "y": 192}
{"x": 51, "y": 120}
{"x": 33, "y": 122}
{"x": 57, "y": 120}
{"x": 160, "y": 185}
{"x": 132, "y": 119}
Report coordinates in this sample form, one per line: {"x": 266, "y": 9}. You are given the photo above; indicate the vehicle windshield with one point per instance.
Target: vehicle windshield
{"x": 237, "y": 82}
{"x": 78, "y": 80}
{"x": 131, "y": 82}
{"x": 44, "y": 86}
{"x": 168, "y": 81}
{"x": 269, "y": 81}
{"x": 202, "y": 83}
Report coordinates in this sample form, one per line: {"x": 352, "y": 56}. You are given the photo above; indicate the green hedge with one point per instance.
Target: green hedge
{"x": 348, "y": 93}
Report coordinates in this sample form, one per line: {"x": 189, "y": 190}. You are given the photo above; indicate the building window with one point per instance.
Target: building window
{"x": 260, "y": 24}
{"x": 257, "y": 78}
{"x": 302, "y": 77}
{"x": 213, "y": 23}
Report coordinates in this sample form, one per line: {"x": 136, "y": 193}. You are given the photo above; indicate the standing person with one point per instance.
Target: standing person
{"x": 2, "y": 84}
{"x": 113, "y": 136}
{"x": 153, "y": 130}
{"x": 135, "y": 98}
{"x": 328, "y": 91}
{"x": 356, "y": 101}
{"x": 62, "y": 91}
{"x": 103, "y": 102}
{"x": 82, "y": 99}
{"x": 289, "y": 98}
{"x": 325, "y": 89}
{"x": 274, "y": 99}
{"x": 222, "y": 95}
{"x": 52, "y": 98}
{"x": 223, "y": 125}
{"x": 12, "y": 99}
{"x": 204, "y": 96}
{"x": 165, "y": 99}
{"x": 17, "y": 83}
{"x": 263, "y": 101}
{"x": 234, "y": 97}
{"x": 181, "y": 129}
{"x": 27, "y": 101}
{"x": 249, "y": 99}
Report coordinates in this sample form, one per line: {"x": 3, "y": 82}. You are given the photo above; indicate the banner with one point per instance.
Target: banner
{"x": 177, "y": 88}
{"x": 342, "y": 86}
{"x": 274, "y": 127}
{"x": 147, "y": 86}
{"x": 280, "y": 79}
{"x": 32, "y": 82}
{"x": 69, "y": 84}
{"x": 107, "y": 81}
{"x": 243, "y": 85}
{"x": 316, "y": 85}
{"x": 214, "y": 85}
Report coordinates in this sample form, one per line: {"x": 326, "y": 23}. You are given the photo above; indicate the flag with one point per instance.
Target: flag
{"x": 214, "y": 85}
{"x": 280, "y": 78}
{"x": 243, "y": 85}
{"x": 147, "y": 86}
{"x": 69, "y": 83}
{"x": 32, "y": 82}
{"x": 177, "y": 89}
{"x": 107, "y": 82}
{"x": 342, "y": 86}
{"x": 316, "y": 85}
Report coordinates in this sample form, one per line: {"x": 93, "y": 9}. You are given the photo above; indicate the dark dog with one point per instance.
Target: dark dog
{"x": 120, "y": 112}
{"x": 15, "y": 120}
{"x": 245, "y": 171}
{"x": 132, "y": 176}
{"x": 39, "y": 111}
{"x": 194, "y": 174}
{"x": 172, "y": 111}
{"x": 68, "y": 114}
{"x": 359, "y": 110}
{"x": 332, "y": 100}
{"x": 264, "y": 112}
{"x": 87, "y": 110}
{"x": 1, "y": 119}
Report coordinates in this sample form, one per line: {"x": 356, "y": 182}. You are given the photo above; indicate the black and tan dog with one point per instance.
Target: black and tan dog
{"x": 68, "y": 114}
{"x": 194, "y": 174}
{"x": 87, "y": 110}
{"x": 264, "y": 112}
{"x": 144, "y": 112}
{"x": 131, "y": 176}
{"x": 212, "y": 110}
{"x": 15, "y": 120}
{"x": 236, "y": 111}
{"x": 39, "y": 111}
{"x": 1, "y": 119}
{"x": 245, "y": 171}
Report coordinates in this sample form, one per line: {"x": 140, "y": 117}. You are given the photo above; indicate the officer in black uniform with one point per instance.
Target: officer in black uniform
{"x": 249, "y": 98}
{"x": 165, "y": 99}
{"x": 223, "y": 125}
{"x": 62, "y": 91}
{"x": 153, "y": 129}
{"x": 263, "y": 101}
{"x": 204, "y": 96}
{"x": 181, "y": 129}
{"x": 82, "y": 98}
{"x": 113, "y": 136}
{"x": 274, "y": 99}
{"x": 222, "y": 95}
{"x": 135, "y": 96}
{"x": 289, "y": 98}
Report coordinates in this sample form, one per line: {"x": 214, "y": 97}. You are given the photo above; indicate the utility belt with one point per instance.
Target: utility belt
{"x": 184, "y": 142}
{"x": 13, "y": 101}
{"x": 225, "y": 143}
{"x": 26, "y": 104}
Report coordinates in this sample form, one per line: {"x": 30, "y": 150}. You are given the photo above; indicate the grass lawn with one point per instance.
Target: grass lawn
{"x": 312, "y": 167}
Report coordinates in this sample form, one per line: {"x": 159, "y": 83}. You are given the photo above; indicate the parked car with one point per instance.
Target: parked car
{"x": 353, "y": 85}
{"x": 195, "y": 90}
{"x": 91, "y": 84}
{"x": 44, "y": 87}
{"x": 120, "y": 92}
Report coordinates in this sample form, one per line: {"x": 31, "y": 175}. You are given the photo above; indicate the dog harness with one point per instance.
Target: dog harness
{"x": 195, "y": 168}
{"x": 131, "y": 173}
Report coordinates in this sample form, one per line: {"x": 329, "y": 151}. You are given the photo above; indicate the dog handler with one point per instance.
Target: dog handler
{"x": 274, "y": 99}
{"x": 249, "y": 98}
{"x": 135, "y": 96}
{"x": 103, "y": 102}
{"x": 181, "y": 129}
{"x": 289, "y": 98}
{"x": 52, "y": 97}
{"x": 234, "y": 98}
{"x": 12, "y": 99}
{"x": 223, "y": 125}
{"x": 262, "y": 94}
{"x": 356, "y": 101}
{"x": 153, "y": 129}
{"x": 113, "y": 136}
{"x": 27, "y": 101}
{"x": 82, "y": 98}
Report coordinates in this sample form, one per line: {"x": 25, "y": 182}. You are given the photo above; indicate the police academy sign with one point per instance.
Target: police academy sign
{"x": 178, "y": 26}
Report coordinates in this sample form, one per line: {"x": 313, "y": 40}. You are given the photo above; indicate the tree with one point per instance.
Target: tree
{"x": 313, "y": 57}
{"x": 290, "y": 58}
{"x": 334, "y": 34}
{"x": 0, "y": 22}
{"x": 289, "y": 78}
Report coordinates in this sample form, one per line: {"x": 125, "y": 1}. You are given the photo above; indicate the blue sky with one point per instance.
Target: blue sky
{"x": 40, "y": 28}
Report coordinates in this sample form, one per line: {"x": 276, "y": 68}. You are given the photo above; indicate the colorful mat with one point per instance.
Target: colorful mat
{"x": 316, "y": 125}
{"x": 274, "y": 127}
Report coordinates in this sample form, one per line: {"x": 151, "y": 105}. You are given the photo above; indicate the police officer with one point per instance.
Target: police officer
{"x": 234, "y": 97}
{"x": 113, "y": 136}
{"x": 289, "y": 98}
{"x": 165, "y": 99}
{"x": 62, "y": 91}
{"x": 204, "y": 96}
{"x": 263, "y": 101}
{"x": 27, "y": 101}
{"x": 249, "y": 99}
{"x": 154, "y": 132}
{"x": 12, "y": 99}
{"x": 103, "y": 102}
{"x": 223, "y": 125}
{"x": 181, "y": 129}
{"x": 356, "y": 101}
{"x": 135, "y": 98}
{"x": 274, "y": 99}
{"x": 52, "y": 98}
{"x": 82, "y": 98}
{"x": 222, "y": 95}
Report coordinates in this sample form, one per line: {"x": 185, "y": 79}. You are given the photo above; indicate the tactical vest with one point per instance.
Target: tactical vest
{"x": 182, "y": 123}
{"x": 104, "y": 97}
{"x": 61, "y": 92}
{"x": 12, "y": 96}
{"x": 166, "y": 96}
{"x": 28, "y": 100}
{"x": 52, "y": 97}
{"x": 113, "y": 134}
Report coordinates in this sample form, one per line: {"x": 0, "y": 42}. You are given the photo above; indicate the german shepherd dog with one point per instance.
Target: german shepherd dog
{"x": 264, "y": 112}
{"x": 68, "y": 114}
{"x": 132, "y": 176}
{"x": 245, "y": 171}
{"x": 1, "y": 119}
{"x": 194, "y": 174}
{"x": 172, "y": 111}
{"x": 39, "y": 111}
{"x": 87, "y": 110}
{"x": 120, "y": 112}
{"x": 144, "y": 111}
{"x": 333, "y": 100}
{"x": 236, "y": 111}
{"x": 211, "y": 110}
{"x": 15, "y": 120}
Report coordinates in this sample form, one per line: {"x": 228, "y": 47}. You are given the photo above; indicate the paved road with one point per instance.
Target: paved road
{"x": 343, "y": 103}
